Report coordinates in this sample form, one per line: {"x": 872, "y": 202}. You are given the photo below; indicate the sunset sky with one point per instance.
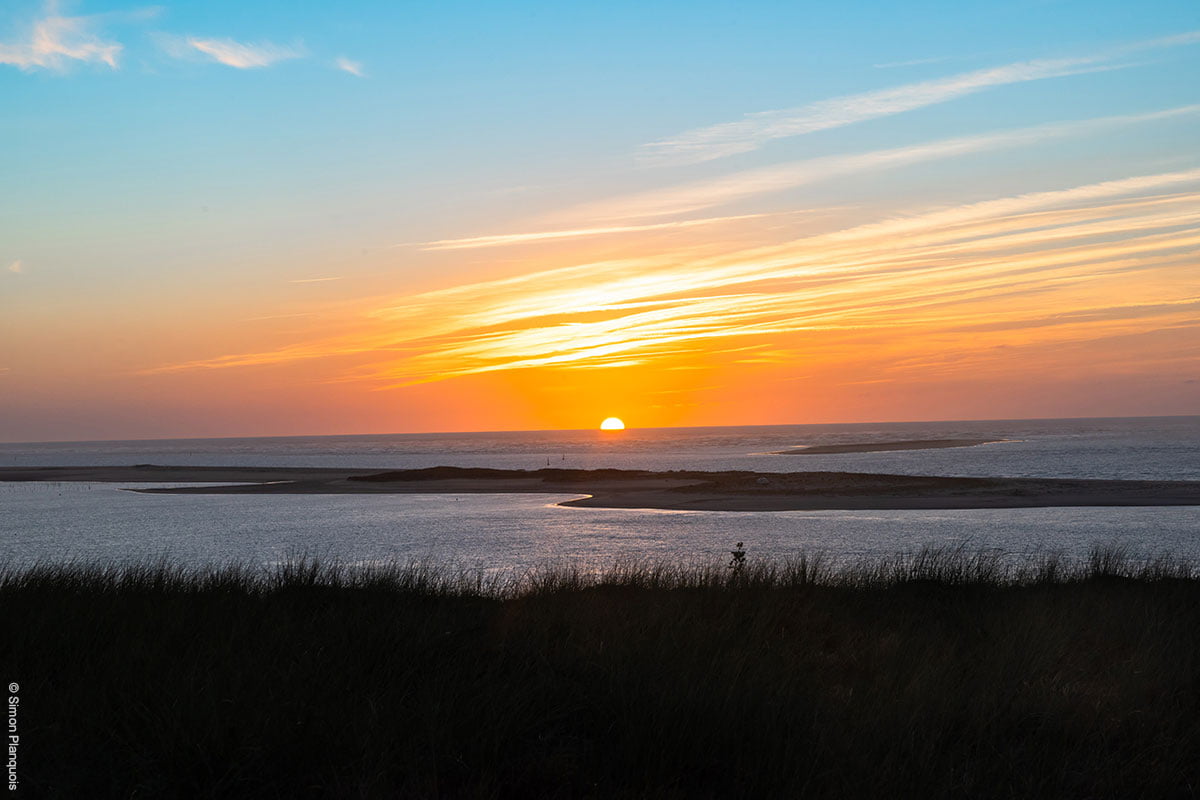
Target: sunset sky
{"x": 268, "y": 218}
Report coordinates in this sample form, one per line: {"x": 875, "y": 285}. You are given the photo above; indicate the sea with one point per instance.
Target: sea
{"x": 58, "y": 522}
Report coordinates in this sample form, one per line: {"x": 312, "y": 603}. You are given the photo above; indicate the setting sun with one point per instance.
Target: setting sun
{"x": 612, "y": 424}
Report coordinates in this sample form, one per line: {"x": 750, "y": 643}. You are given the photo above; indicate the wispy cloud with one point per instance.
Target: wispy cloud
{"x": 755, "y": 130}
{"x": 353, "y": 67}
{"x": 542, "y": 236}
{"x": 232, "y": 53}
{"x": 1055, "y": 268}
{"x": 54, "y": 41}
{"x": 16, "y": 267}
{"x": 1175, "y": 40}
{"x": 913, "y": 63}
{"x": 317, "y": 280}
{"x": 699, "y": 195}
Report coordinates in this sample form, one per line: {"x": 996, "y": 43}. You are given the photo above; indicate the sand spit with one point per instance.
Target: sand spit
{"x": 671, "y": 490}
{"x": 879, "y": 447}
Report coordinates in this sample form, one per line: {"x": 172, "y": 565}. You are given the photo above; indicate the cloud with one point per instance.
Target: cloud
{"x": 755, "y": 130}
{"x": 1045, "y": 269}
{"x": 1175, "y": 40}
{"x": 541, "y": 236}
{"x": 16, "y": 267}
{"x": 55, "y": 41}
{"x": 355, "y": 68}
{"x": 699, "y": 195}
{"x": 317, "y": 280}
{"x": 913, "y": 63}
{"x": 238, "y": 54}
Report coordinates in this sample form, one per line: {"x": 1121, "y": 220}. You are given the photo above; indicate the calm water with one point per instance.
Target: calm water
{"x": 90, "y": 521}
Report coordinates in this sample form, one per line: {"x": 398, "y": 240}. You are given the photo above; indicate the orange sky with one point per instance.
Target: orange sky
{"x": 894, "y": 250}
{"x": 1071, "y": 302}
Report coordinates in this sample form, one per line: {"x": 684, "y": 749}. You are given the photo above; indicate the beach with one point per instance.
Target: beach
{"x": 677, "y": 490}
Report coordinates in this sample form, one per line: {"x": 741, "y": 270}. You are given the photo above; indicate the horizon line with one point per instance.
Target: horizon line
{"x": 597, "y": 429}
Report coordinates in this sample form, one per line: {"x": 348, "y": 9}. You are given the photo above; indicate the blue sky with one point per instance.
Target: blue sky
{"x": 460, "y": 99}
{"x": 190, "y": 161}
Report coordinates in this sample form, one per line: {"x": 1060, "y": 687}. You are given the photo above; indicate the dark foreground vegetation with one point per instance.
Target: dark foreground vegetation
{"x": 934, "y": 675}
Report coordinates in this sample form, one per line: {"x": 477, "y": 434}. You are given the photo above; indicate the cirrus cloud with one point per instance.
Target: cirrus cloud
{"x": 355, "y": 68}
{"x": 243, "y": 55}
{"x": 1067, "y": 268}
{"x": 756, "y": 129}
{"x": 54, "y": 41}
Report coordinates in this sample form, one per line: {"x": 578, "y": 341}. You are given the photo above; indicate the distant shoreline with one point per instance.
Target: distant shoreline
{"x": 880, "y": 447}
{"x": 672, "y": 490}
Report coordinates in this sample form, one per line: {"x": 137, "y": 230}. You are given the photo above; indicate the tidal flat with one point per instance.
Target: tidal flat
{"x": 674, "y": 490}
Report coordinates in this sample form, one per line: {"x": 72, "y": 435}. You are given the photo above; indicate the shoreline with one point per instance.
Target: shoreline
{"x": 676, "y": 490}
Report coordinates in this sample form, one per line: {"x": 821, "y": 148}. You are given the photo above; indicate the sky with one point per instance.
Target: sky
{"x": 268, "y": 218}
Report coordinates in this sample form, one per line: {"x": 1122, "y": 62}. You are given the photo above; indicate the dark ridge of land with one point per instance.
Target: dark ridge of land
{"x": 673, "y": 489}
{"x": 927, "y": 677}
{"x": 879, "y": 447}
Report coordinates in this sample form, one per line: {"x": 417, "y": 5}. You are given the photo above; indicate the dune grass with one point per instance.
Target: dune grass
{"x": 943, "y": 673}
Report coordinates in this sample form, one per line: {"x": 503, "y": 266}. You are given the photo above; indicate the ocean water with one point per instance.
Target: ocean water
{"x": 67, "y": 521}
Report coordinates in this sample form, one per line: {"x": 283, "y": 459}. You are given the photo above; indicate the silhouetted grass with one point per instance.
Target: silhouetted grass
{"x": 944, "y": 673}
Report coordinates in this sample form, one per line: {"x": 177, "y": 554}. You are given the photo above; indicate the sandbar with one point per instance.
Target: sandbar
{"x": 879, "y": 447}
{"x": 668, "y": 490}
